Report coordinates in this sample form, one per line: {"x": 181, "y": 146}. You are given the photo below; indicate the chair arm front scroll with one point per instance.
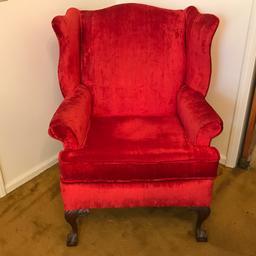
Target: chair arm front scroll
{"x": 199, "y": 119}
{"x": 71, "y": 120}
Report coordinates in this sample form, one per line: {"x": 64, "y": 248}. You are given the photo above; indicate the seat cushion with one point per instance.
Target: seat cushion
{"x": 124, "y": 149}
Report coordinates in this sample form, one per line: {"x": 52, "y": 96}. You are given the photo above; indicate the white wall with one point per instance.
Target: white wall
{"x": 227, "y": 55}
{"x": 29, "y": 92}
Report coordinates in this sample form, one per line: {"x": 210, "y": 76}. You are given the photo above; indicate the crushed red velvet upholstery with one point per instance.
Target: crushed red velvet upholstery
{"x": 125, "y": 149}
{"x": 137, "y": 194}
{"x": 70, "y": 122}
{"x": 200, "y": 29}
{"x": 146, "y": 53}
{"x": 193, "y": 109}
{"x": 67, "y": 29}
{"x": 134, "y": 122}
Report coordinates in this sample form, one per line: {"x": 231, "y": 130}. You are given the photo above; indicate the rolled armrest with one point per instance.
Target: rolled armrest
{"x": 71, "y": 120}
{"x": 199, "y": 119}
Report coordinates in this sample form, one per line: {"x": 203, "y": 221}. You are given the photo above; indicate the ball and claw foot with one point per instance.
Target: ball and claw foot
{"x": 201, "y": 235}
{"x": 72, "y": 239}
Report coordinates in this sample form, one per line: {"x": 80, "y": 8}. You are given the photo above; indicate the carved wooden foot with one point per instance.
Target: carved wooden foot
{"x": 71, "y": 218}
{"x": 202, "y": 215}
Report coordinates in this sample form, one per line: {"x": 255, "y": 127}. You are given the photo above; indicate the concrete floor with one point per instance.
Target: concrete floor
{"x": 31, "y": 223}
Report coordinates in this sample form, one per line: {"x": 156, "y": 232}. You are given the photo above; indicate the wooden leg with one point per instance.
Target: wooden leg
{"x": 202, "y": 215}
{"x": 243, "y": 163}
{"x": 71, "y": 218}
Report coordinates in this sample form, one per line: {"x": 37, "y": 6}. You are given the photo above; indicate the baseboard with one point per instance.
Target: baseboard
{"x": 20, "y": 180}
{"x": 2, "y": 187}
{"x": 223, "y": 159}
{"x": 2, "y": 192}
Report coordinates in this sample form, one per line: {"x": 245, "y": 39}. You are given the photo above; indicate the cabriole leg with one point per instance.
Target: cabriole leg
{"x": 202, "y": 215}
{"x": 71, "y": 217}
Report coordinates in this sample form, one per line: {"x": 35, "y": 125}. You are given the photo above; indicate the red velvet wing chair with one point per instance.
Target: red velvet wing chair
{"x": 134, "y": 122}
